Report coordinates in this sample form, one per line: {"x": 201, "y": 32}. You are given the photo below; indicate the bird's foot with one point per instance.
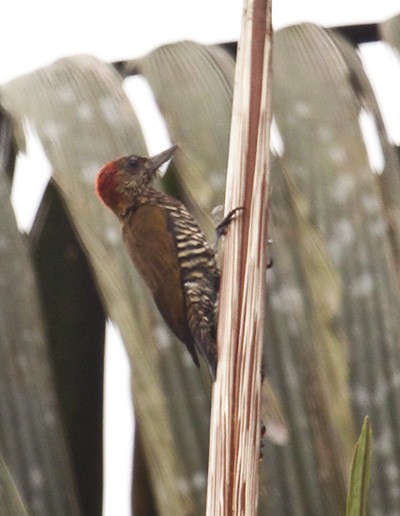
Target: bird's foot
{"x": 222, "y": 227}
{"x": 263, "y": 432}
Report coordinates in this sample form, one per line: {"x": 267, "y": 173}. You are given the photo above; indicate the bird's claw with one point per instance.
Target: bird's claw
{"x": 222, "y": 227}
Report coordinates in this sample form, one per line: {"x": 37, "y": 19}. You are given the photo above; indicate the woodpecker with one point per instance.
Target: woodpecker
{"x": 168, "y": 249}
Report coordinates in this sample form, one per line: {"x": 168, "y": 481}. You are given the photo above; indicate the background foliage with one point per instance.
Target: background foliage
{"x": 332, "y": 329}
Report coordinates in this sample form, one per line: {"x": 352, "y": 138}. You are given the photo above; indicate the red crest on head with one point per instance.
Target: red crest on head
{"x": 106, "y": 184}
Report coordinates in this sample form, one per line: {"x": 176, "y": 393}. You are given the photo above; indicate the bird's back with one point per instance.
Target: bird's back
{"x": 178, "y": 265}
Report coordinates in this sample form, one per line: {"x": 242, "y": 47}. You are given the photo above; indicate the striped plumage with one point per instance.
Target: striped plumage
{"x": 169, "y": 250}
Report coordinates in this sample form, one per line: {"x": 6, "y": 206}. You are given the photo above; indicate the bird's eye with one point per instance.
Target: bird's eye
{"x": 133, "y": 163}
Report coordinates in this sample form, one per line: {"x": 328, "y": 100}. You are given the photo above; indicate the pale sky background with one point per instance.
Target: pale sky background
{"x": 35, "y": 33}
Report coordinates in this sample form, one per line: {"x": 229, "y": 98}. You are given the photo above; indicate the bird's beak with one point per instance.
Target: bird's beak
{"x": 156, "y": 161}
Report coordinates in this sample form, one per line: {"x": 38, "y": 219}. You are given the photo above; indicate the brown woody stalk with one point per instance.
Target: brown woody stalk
{"x": 235, "y": 420}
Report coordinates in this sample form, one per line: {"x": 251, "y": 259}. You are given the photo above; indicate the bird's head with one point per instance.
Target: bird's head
{"x": 121, "y": 181}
